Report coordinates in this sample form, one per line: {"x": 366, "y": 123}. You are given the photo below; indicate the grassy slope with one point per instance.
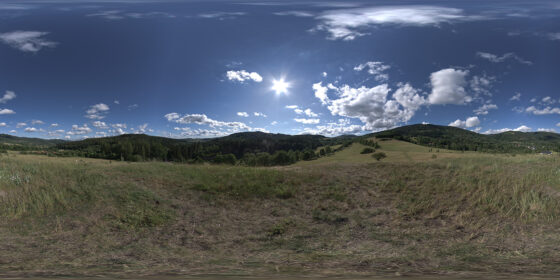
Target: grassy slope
{"x": 339, "y": 214}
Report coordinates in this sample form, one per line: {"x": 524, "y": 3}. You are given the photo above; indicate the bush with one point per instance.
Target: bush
{"x": 434, "y": 156}
{"x": 379, "y": 156}
{"x": 367, "y": 150}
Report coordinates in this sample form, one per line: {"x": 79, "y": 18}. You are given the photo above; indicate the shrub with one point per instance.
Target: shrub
{"x": 367, "y": 150}
{"x": 379, "y": 156}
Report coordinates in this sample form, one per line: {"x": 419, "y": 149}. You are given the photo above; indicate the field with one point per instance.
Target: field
{"x": 411, "y": 213}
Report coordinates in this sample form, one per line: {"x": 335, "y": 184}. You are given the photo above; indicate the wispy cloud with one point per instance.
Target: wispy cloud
{"x": 497, "y": 59}
{"x": 118, "y": 15}
{"x": 348, "y": 24}
{"x": 27, "y": 41}
{"x": 221, "y": 15}
{"x": 9, "y": 95}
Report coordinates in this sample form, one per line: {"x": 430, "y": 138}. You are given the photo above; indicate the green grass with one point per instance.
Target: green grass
{"x": 345, "y": 213}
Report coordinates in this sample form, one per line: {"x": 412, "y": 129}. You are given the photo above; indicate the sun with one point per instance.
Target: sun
{"x": 280, "y": 86}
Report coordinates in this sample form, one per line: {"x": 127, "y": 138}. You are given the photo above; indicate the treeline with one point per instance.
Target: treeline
{"x": 452, "y": 138}
{"x": 252, "y": 149}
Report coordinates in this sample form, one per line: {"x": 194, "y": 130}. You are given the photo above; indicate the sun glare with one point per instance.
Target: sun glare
{"x": 280, "y": 86}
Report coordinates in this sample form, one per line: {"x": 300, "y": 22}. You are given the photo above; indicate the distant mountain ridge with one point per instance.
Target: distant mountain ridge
{"x": 254, "y": 142}
{"x": 460, "y": 139}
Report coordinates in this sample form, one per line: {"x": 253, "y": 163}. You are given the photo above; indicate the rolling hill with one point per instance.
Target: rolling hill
{"x": 454, "y": 138}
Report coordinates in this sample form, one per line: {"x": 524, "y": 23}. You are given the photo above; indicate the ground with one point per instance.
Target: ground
{"x": 418, "y": 211}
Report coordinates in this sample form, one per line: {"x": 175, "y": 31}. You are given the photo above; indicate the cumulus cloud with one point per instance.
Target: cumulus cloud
{"x": 307, "y": 121}
{"x": 497, "y": 59}
{"x": 202, "y": 119}
{"x": 343, "y": 126}
{"x": 546, "y": 130}
{"x": 30, "y": 129}
{"x": 3, "y": 124}
{"x": 6, "y": 112}
{"x": 242, "y": 76}
{"x": 348, "y": 24}
{"x": 373, "y": 106}
{"x": 100, "y": 125}
{"x": 522, "y": 128}
{"x": 448, "y": 87}
{"x": 79, "y": 130}
{"x": 480, "y": 85}
{"x": 483, "y": 110}
{"x": 376, "y": 69}
{"x": 37, "y": 122}
{"x": 243, "y": 114}
{"x": 409, "y": 97}
{"x": 21, "y": 124}
{"x": 259, "y": 114}
{"x": 468, "y": 123}
{"x": 544, "y": 111}
{"x": 27, "y": 41}
{"x": 9, "y": 95}
{"x": 97, "y": 111}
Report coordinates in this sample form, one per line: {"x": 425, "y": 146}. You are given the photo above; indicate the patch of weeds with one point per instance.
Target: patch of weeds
{"x": 280, "y": 228}
{"x": 335, "y": 193}
{"x": 141, "y": 208}
{"x": 328, "y": 215}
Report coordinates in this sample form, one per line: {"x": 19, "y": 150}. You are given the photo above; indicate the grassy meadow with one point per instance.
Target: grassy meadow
{"x": 418, "y": 211}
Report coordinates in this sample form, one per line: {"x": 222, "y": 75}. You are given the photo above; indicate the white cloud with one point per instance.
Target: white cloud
{"x": 483, "y": 110}
{"x": 100, "y": 125}
{"x": 516, "y": 97}
{"x": 548, "y": 100}
{"x": 54, "y": 124}
{"x": 202, "y": 119}
{"x": 307, "y": 121}
{"x": 321, "y": 93}
{"x": 35, "y": 122}
{"x": 324, "y": 74}
{"x": 375, "y": 68}
{"x": 242, "y": 76}
{"x": 259, "y": 114}
{"x": 9, "y": 95}
{"x": 522, "y": 128}
{"x": 142, "y": 128}
{"x": 97, "y": 111}
{"x": 26, "y": 41}
{"x": 3, "y": 124}
{"x": 468, "y": 123}
{"x": 21, "y": 124}
{"x": 341, "y": 127}
{"x": 409, "y": 97}
{"x": 79, "y": 130}
{"x": 349, "y": 24}
{"x": 274, "y": 123}
{"x": 546, "y": 130}
{"x": 13, "y": 131}
{"x": 291, "y": 106}
{"x": 7, "y": 112}
{"x": 545, "y": 111}
{"x": 448, "y": 87}
{"x": 481, "y": 85}
{"x": 31, "y": 129}
{"x": 371, "y": 105}
{"x": 497, "y": 59}
{"x": 243, "y": 114}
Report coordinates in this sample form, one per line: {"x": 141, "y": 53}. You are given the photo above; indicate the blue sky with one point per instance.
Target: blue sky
{"x": 186, "y": 69}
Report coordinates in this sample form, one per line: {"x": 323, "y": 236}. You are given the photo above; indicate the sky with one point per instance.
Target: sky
{"x": 198, "y": 69}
